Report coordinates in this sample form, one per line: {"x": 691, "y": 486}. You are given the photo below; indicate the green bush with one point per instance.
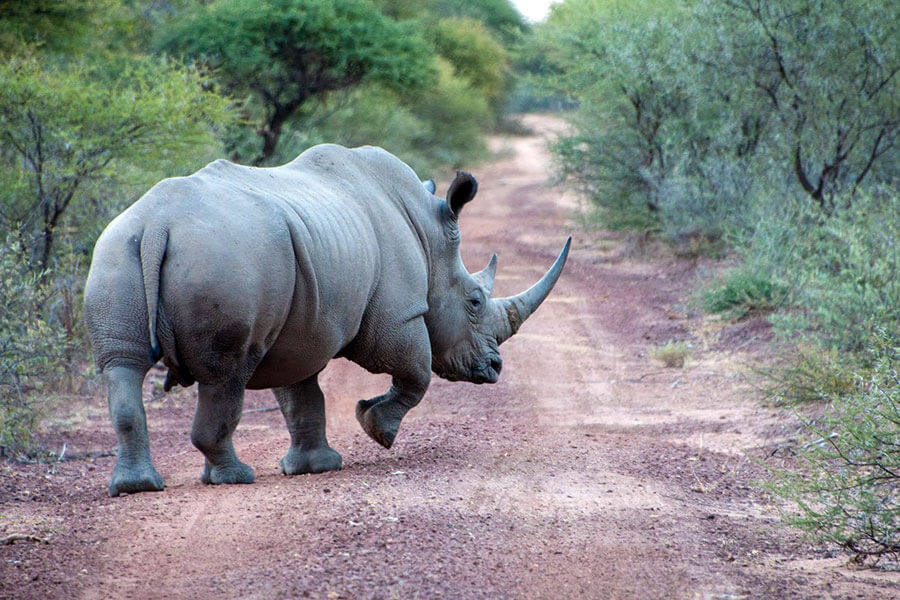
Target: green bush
{"x": 741, "y": 293}
{"x": 846, "y": 482}
{"x": 840, "y": 270}
{"x": 475, "y": 55}
{"x": 686, "y": 114}
{"x": 32, "y": 348}
{"x": 430, "y": 130}
{"x": 812, "y": 374}
{"x": 79, "y": 138}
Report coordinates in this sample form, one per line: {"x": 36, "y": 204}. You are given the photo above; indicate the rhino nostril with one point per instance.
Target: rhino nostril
{"x": 496, "y": 364}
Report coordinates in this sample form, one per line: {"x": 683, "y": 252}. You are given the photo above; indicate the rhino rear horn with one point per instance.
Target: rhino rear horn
{"x": 520, "y": 307}
{"x": 485, "y": 277}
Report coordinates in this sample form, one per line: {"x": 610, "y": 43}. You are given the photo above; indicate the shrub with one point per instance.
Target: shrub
{"x": 741, "y": 293}
{"x": 812, "y": 374}
{"x": 840, "y": 270}
{"x": 32, "y": 348}
{"x": 443, "y": 126}
{"x": 846, "y": 482}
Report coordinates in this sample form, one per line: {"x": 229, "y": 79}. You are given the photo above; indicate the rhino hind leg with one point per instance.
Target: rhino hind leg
{"x": 218, "y": 413}
{"x": 303, "y": 407}
{"x": 134, "y": 471}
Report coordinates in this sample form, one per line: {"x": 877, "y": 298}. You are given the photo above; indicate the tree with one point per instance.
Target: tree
{"x": 67, "y": 128}
{"x": 285, "y": 52}
{"x": 474, "y": 54}
{"x": 830, "y": 73}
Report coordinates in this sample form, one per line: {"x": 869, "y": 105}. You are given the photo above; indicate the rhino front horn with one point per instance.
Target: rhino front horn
{"x": 518, "y": 308}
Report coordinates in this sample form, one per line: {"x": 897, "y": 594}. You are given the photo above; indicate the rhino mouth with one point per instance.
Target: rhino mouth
{"x": 486, "y": 370}
{"x": 489, "y": 373}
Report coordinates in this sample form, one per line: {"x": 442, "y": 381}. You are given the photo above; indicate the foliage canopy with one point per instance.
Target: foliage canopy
{"x": 285, "y": 52}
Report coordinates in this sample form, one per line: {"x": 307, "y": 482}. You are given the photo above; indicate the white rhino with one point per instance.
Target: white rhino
{"x": 238, "y": 277}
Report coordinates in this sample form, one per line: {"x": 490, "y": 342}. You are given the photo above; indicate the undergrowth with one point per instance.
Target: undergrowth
{"x": 32, "y": 349}
{"x": 845, "y": 482}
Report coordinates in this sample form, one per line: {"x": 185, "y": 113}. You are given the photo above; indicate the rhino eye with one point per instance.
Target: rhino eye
{"x": 476, "y": 300}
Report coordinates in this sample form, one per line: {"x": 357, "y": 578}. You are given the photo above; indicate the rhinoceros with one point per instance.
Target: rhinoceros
{"x": 249, "y": 278}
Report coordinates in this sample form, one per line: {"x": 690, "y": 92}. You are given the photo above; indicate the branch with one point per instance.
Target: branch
{"x": 16, "y": 537}
{"x": 873, "y": 155}
{"x": 884, "y": 82}
{"x": 801, "y": 174}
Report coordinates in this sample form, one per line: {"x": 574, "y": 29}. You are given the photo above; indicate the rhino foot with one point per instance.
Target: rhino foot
{"x": 133, "y": 480}
{"x": 318, "y": 460}
{"x": 235, "y": 472}
{"x": 378, "y": 420}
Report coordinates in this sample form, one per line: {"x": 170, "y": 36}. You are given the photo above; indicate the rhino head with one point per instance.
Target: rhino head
{"x": 465, "y": 323}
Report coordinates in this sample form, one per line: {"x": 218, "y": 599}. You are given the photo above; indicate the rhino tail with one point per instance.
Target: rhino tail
{"x": 153, "y": 251}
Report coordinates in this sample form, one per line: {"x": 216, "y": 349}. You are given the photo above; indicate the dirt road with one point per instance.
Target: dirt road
{"x": 588, "y": 471}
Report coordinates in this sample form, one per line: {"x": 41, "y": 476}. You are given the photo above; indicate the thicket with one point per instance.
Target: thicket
{"x": 768, "y": 129}
{"x": 100, "y": 99}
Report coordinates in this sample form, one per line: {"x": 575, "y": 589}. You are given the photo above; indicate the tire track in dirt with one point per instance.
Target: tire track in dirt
{"x": 586, "y": 472}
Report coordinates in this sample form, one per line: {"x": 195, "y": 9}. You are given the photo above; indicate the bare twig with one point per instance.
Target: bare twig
{"x": 22, "y": 537}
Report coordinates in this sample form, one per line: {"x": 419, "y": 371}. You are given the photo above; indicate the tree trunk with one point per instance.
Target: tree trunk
{"x": 270, "y": 132}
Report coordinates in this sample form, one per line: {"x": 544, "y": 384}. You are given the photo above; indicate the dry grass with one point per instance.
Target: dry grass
{"x": 672, "y": 354}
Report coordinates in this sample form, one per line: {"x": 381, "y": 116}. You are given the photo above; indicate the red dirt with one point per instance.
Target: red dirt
{"x": 588, "y": 471}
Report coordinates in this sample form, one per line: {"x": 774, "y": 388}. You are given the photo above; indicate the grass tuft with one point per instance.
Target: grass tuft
{"x": 672, "y": 354}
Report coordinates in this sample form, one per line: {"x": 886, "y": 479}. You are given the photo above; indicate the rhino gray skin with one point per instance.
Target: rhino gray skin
{"x": 239, "y": 277}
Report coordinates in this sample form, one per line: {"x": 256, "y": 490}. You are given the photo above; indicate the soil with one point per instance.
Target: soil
{"x": 589, "y": 471}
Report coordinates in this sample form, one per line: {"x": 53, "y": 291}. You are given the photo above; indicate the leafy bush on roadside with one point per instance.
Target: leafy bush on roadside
{"x": 741, "y": 293}
{"x": 846, "y": 483}
{"x": 440, "y": 127}
{"x": 32, "y": 348}
{"x": 840, "y": 270}
{"x": 812, "y": 374}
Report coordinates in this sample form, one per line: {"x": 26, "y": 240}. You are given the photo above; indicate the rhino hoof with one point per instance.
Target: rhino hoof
{"x": 134, "y": 481}
{"x": 319, "y": 460}
{"x": 379, "y": 427}
{"x": 232, "y": 473}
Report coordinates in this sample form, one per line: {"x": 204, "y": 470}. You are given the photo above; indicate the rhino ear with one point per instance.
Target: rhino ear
{"x": 463, "y": 189}
{"x": 429, "y": 185}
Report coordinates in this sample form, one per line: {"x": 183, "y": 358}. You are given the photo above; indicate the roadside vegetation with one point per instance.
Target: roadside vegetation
{"x": 768, "y": 130}
{"x": 100, "y": 99}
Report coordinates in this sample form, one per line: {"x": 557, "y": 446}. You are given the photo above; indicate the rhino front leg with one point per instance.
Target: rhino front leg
{"x": 380, "y": 417}
{"x": 303, "y": 407}
{"x": 134, "y": 471}
{"x": 218, "y": 413}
